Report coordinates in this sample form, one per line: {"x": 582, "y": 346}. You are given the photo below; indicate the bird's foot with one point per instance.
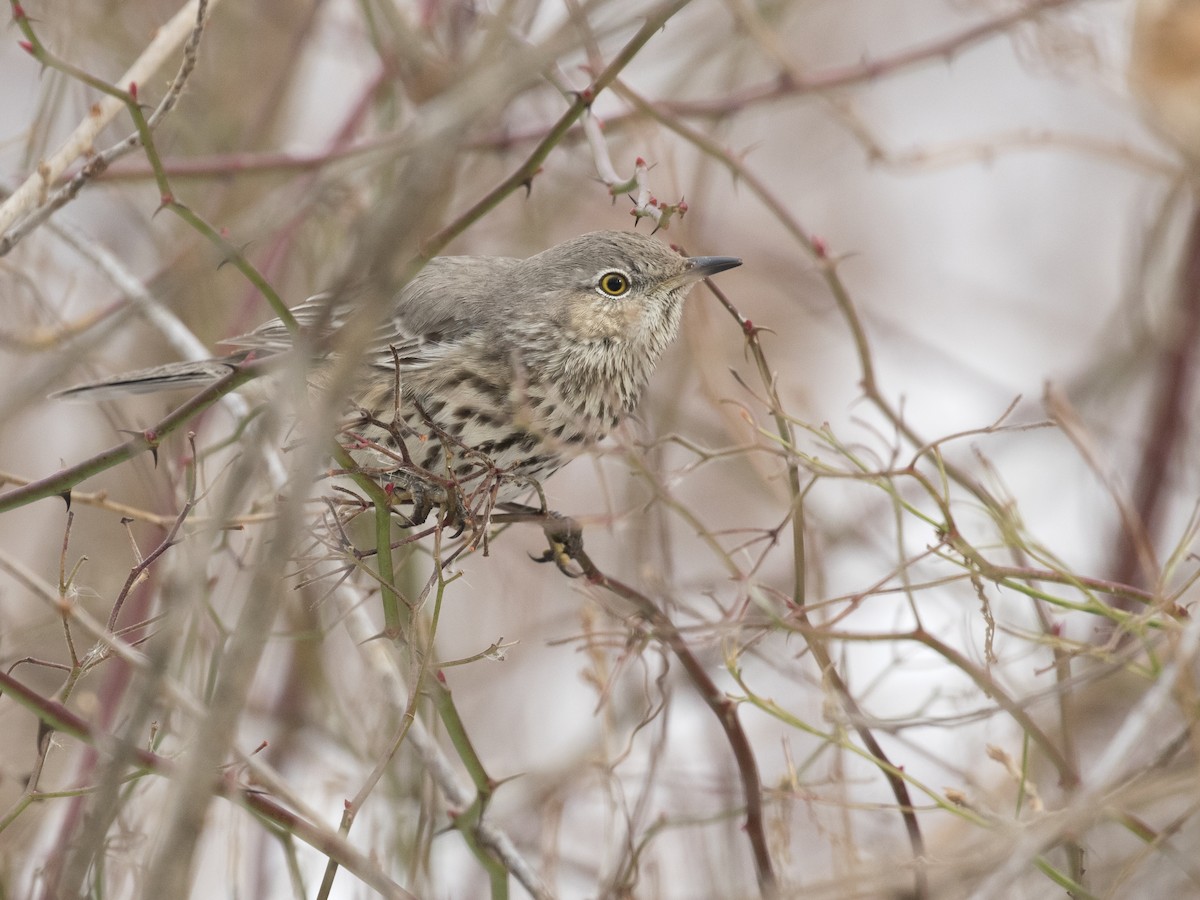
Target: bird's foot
{"x": 566, "y": 544}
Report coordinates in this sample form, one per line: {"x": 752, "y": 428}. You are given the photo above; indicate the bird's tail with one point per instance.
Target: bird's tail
{"x": 172, "y": 376}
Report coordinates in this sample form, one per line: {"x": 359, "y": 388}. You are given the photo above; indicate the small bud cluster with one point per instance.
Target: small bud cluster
{"x": 645, "y": 204}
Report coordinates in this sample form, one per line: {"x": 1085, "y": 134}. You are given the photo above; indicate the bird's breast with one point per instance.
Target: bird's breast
{"x": 486, "y": 423}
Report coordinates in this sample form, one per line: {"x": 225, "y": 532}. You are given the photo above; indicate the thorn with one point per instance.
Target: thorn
{"x": 66, "y": 495}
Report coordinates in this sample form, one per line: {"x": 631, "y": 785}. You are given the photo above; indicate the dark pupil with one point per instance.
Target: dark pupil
{"x": 614, "y": 283}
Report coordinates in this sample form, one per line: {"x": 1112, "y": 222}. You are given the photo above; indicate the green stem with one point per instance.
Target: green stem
{"x": 60, "y": 483}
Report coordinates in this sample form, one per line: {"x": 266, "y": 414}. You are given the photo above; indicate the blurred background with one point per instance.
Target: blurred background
{"x": 924, "y": 516}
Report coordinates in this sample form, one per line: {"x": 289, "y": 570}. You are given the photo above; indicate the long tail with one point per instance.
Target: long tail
{"x": 172, "y": 376}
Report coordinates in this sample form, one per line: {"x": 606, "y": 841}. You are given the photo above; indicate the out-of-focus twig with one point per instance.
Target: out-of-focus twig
{"x": 32, "y": 193}
{"x": 61, "y": 482}
{"x": 1167, "y": 424}
{"x": 65, "y": 721}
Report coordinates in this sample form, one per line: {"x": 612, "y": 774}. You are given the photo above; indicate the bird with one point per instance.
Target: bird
{"x": 488, "y": 373}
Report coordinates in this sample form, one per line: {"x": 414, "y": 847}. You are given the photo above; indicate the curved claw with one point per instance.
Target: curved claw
{"x": 422, "y": 503}
{"x": 557, "y": 554}
{"x": 566, "y": 545}
{"x": 455, "y": 512}
{"x": 418, "y": 496}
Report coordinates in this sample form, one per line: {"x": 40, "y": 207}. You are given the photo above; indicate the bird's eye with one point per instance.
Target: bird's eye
{"x": 613, "y": 284}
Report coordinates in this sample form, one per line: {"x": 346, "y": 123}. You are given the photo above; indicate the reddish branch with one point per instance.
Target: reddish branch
{"x": 63, "y": 720}
{"x": 1167, "y": 427}
{"x": 717, "y": 700}
{"x": 786, "y": 84}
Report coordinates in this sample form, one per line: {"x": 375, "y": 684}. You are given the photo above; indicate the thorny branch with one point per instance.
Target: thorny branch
{"x": 35, "y": 187}
{"x": 566, "y": 543}
{"x": 63, "y": 720}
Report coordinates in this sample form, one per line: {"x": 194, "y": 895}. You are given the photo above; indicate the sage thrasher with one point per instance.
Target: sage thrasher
{"x": 488, "y": 371}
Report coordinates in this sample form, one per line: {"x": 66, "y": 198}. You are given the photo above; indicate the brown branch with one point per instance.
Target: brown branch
{"x": 1167, "y": 425}
{"x": 63, "y": 720}
{"x": 164, "y": 545}
{"x": 787, "y": 84}
{"x": 527, "y": 170}
{"x": 718, "y": 701}
{"x": 816, "y": 643}
{"x": 791, "y": 81}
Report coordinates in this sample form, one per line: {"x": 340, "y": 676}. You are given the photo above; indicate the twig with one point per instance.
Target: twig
{"x": 717, "y": 700}
{"x": 64, "y": 721}
{"x": 61, "y": 482}
{"x": 30, "y": 195}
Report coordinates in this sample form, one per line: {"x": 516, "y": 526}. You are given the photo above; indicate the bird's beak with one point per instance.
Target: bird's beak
{"x": 703, "y": 266}
{"x": 699, "y": 267}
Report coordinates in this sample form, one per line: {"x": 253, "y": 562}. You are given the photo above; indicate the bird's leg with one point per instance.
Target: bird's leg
{"x": 566, "y": 543}
{"x": 423, "y": 487}
{"x": 418, "y": 490}
{"x": 562, "y": 532}
{"x": 454, "y": 512}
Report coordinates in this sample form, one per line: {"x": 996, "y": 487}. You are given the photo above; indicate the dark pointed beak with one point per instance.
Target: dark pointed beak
{"x": 703, "y": 266}
{"x": 698, "y": 267}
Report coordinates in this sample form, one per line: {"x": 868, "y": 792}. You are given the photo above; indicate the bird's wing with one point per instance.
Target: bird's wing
{"x": 318, "y": 313}
{"x": 450, "y": 298}
{"x": 443, "y": 303}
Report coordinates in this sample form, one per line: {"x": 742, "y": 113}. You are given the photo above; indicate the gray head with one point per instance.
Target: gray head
{"x": 617, "y": 286}
{"x": 597, "y": 311}
{"x": 603, "y": 285}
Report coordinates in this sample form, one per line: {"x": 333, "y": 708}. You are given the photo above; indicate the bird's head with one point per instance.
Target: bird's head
{"x": 616, "y": 287}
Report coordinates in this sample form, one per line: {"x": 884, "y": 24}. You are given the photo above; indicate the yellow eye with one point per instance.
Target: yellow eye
{"x": 613, "y": 284}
